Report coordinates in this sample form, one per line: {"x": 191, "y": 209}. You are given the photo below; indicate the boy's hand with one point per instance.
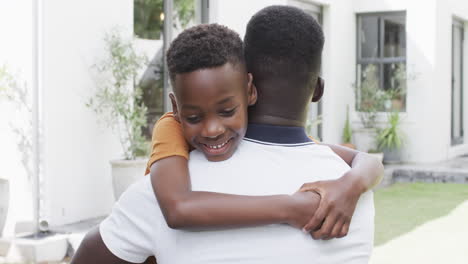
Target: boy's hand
{"x": 338, "y": 201}
{"x": 304, "y": 205}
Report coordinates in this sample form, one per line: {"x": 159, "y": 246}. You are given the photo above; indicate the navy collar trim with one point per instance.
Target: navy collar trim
{"x": 277, "y": 135}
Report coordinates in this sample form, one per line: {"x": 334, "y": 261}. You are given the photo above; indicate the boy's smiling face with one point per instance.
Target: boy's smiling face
{"x": 211, "y": 104}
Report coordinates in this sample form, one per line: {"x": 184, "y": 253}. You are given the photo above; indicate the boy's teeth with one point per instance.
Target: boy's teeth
{"x": 217, "y": 146}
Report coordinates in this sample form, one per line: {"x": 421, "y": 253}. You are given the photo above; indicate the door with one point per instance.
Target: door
{"x": 457, "y": 83}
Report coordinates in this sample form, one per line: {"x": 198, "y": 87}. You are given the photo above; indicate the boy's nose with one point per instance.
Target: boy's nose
{"x": 213, "y": 129}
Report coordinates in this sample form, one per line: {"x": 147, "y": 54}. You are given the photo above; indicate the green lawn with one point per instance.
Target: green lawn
{"x": 402, "y": 207}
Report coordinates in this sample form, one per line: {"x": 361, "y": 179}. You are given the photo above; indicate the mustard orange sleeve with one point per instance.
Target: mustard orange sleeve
{"x": 167, "y": 140}
{"x": 314, "y": 140}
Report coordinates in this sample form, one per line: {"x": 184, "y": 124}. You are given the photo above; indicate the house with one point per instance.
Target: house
{"x": 56, "y": 47}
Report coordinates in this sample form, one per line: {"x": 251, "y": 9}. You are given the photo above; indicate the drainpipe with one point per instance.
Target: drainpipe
{"x": 167, "y": 33}
{"x": 35, "y": 113}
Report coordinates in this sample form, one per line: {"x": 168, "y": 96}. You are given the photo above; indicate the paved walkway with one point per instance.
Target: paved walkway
{"x": 443, "y": 240}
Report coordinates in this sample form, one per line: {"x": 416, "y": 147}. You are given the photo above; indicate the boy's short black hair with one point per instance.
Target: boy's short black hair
{"x": 283, "y": 42}
{"x": 204, "y": 46}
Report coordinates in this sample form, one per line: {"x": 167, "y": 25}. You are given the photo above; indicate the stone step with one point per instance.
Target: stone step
{"x": 432, "y": 175}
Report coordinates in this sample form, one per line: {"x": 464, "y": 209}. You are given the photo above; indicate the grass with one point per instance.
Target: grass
{"x": 402, "y": 207}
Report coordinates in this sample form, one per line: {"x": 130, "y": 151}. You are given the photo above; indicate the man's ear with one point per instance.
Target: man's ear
{"x": 251, "y": 91}
{"x": 318, "y": 91}
{"x": 175, "y": 110}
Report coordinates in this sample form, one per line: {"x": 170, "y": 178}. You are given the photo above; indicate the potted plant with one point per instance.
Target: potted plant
{"x": 395, "y": 96}
{"x": 347, "y": 132}
{"x": 15, "y": 93}
{"x": 390, "y": 139}
{"x": 311, "y": 127}
{"x": 369, "y": 100}
{"x": 118, "y": 102}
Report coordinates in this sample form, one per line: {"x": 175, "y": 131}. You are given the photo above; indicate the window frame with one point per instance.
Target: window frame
{"x": 457, "y": 23}
{"x": 380, "y": 60}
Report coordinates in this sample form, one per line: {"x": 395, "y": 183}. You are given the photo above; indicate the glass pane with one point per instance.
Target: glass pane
{"x": 184, "y": 14}
{"x": 369, "y": 37}
{"x": 152, "y": 86}
{"x": 394, "y": 37}
{"x": 149, "y": 24}
{"x": 148, "y": 18}
{"x": 394, "y": 86}
{"x": 368, "y": 89}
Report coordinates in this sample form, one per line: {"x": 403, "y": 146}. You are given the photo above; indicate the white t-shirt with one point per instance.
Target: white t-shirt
{"x": 136, "y": 227}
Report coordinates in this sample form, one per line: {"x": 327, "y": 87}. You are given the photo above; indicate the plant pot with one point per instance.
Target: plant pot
{"x": 364, "y": 138}
{"x": 397, "y": 104}
{"x": 4, "y": 201}
{"x": 44, "y": 248}
{"x": 392, "y": 156}
{"x": 126, "y": 172}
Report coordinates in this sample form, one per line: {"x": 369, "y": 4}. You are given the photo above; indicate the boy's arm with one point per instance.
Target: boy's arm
{"x": 339, "y": 197}
{"x": 183, "y": 208}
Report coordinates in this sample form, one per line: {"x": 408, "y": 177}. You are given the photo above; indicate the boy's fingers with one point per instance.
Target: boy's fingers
{"x": 344, "y": 230}
{"x": 326, "y": 229}
{"x": 336, "y": 230}
{"x": 317, "y": 219}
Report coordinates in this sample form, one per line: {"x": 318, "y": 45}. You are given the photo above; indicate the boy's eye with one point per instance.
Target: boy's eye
{"x": 228, "y": 112}
{"x": 193, "y": 119}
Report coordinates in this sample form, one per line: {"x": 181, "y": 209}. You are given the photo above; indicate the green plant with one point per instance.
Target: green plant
{"x": 347, "y": 131}
{"x": 118, "y": 98}
{"x": 399, "y": 81}
{"x": 369, "y": 96}
{"x": 148, "y": 16}
{"x": 391, "y": 136}
{"x": 311, "y": 124}
{"x": 16, "y": 93}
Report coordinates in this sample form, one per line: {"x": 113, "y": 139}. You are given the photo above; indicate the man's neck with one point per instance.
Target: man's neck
{"x": 275, "y": 121}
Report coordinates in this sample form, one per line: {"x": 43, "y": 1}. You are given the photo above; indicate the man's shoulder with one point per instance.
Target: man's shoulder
{"x": 139, "y": 191}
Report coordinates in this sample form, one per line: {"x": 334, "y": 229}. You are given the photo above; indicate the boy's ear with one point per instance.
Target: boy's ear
{"x": 251, "y": 91}
{"x": 175, "y": 110}
{"x": 318, "y": 91}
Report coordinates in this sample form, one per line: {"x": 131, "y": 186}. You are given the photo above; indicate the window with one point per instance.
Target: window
{"x": 457, "y": 82}
{"x": 148, "y": 16}
{"x": 381, "y": 62}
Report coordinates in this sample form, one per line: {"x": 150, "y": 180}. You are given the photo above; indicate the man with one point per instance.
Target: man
{"x": 276, "y": 157}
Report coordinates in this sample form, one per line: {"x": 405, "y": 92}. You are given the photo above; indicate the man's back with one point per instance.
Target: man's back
{"x": 257, "y": 168}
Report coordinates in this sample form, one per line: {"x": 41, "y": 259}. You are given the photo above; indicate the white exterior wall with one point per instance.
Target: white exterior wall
{"x": 16, "y": 53}
{"x": 77, "y": 149}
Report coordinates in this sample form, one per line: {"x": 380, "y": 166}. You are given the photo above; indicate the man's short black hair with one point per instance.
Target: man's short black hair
{"x": 204, "y": 46}
{"x": 284, "y": 43}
